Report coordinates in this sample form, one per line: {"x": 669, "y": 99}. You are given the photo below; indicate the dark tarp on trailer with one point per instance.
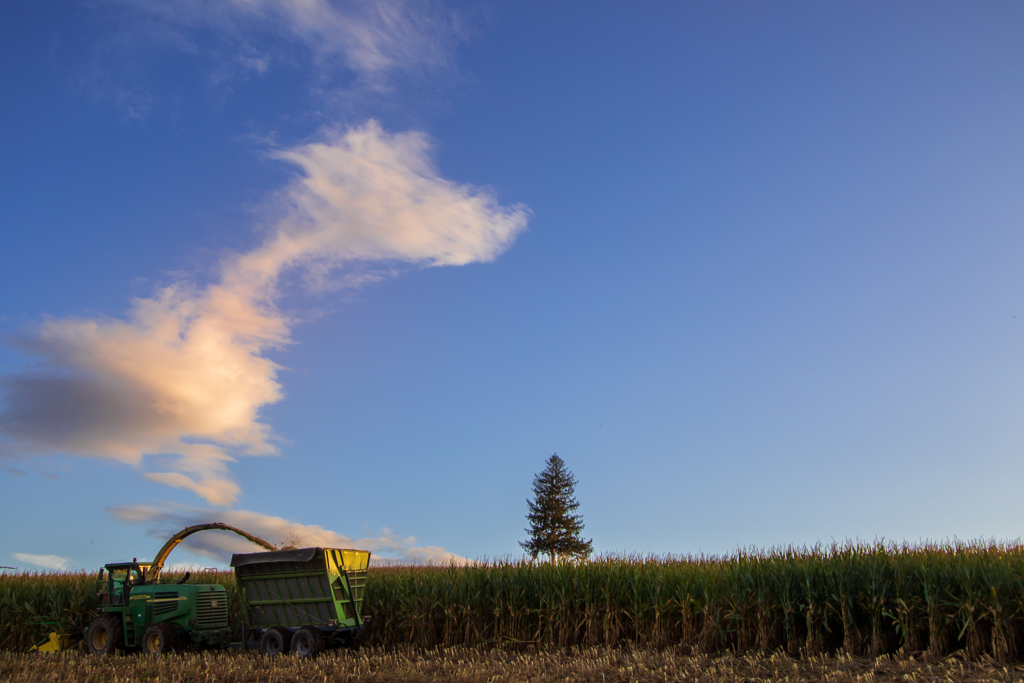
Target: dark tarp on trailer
{"x": 298, "y": 555}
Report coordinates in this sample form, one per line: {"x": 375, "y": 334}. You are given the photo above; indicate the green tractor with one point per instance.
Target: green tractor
{"x": 140, "y": 612}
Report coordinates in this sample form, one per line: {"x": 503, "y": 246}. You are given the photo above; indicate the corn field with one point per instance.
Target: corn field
{"x": 856, "y": 599}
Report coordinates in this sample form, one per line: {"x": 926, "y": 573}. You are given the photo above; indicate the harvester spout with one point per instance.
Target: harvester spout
{"x": 173, "y": 541}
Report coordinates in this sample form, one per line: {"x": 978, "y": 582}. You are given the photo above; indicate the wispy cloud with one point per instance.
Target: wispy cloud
{"x": 185, "y": 375}
{"x": 45, "y": 561}
{"x": 371, "y": 38}
{"x": 98, "y": 83}
{"x": 348, "y": 52}
{"x": 164, "y": 519}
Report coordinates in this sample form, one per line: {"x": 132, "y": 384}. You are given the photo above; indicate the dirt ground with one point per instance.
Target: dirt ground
{"x": 492, "y": 666}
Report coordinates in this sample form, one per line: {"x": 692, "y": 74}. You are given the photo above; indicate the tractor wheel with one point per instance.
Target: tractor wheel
{"x": 275, "y": 641}
{"x": 160, "y": 639}
{"x": 308, "y": 642}
{"x": 105, "y": 635}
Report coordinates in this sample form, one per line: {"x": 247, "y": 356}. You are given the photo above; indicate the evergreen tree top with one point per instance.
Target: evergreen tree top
{"x": 554, "y": 530}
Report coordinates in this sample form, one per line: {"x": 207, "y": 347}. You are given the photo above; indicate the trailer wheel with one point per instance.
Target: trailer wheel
{"x": 275, "y": 641}
{"x": 308, "y": 642}
{"x": 160, "y": 639}
{"x": 105, "y": 635}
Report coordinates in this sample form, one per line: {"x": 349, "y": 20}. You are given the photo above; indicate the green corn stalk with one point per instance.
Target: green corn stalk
{"x": 867, "y": 599}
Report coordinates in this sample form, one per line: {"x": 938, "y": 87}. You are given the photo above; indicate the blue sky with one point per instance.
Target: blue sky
{"x": 752, "y": 269}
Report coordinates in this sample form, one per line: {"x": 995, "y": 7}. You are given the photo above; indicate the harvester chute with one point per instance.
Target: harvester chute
{"x": 173, "y": 541}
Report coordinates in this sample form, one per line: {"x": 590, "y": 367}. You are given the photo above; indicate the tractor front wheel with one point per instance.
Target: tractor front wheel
{"x": 159, "y": 639}
{"x": 308, "y": 641}
{"x": 275, "y": 641}
{"x": 105, "y": 635}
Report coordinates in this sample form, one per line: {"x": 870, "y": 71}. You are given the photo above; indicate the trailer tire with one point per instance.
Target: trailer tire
{"x": 275, "y": 641}
{"x": 160, "y": 639}
{"x": 308, "y": 641}
{"x": 105, "y": 636}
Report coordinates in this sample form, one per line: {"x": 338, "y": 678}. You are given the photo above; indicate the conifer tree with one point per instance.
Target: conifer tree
{"x": 554, "y": 530}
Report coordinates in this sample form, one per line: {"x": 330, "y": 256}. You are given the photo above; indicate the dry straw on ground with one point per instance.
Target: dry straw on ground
{"x": 463, "y": 665}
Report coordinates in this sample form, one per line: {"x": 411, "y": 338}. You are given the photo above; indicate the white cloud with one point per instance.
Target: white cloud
{"x": 165, "y": 519}
{"x": 184, "y": 375}
{"x": 45, "y": 561}
{"x": 370, "y": 196}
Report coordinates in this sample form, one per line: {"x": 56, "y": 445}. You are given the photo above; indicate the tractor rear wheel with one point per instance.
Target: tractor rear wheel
{"x": 308, "y": 641}
{"x": 105, "y": 635}
{"x": 275, "y": 641}
{"x": 160, "y": 639}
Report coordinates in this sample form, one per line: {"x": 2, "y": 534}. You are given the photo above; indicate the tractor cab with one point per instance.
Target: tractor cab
{"x": 121, "y": 577}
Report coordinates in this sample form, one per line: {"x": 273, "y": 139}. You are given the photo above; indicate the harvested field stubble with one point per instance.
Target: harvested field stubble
{"x": 492, "y": 665}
